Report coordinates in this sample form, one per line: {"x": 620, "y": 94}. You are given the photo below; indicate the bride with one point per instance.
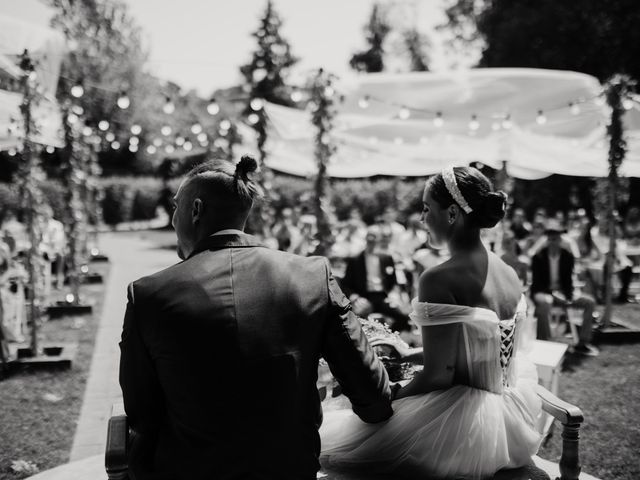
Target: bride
{"x": 472, "y": 411}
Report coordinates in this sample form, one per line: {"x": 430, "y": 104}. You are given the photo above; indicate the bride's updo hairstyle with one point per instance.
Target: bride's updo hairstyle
{"x": 228, "y": 185}
{"x": 487, "y": 206}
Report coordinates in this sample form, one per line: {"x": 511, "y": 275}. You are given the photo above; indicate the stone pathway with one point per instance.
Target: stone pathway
{"x": 131, "y": 258}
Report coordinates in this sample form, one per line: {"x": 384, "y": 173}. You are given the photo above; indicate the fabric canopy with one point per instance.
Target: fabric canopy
{"x": 539, "y": 121}
{"x": 46, "y": 48}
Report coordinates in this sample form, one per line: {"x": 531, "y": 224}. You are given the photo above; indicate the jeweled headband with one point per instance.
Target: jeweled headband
{"x": 449, "y": 178}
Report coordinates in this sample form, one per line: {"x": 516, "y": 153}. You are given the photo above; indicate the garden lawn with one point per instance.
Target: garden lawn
{"x": 39, "y": 410}
{"x": 607, "y": 389}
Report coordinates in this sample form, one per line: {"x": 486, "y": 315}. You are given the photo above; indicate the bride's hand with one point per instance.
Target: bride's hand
{"x": 403, "y": 350}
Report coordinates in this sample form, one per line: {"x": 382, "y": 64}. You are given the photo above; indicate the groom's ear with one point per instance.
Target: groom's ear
{"x": 196, "y": 210}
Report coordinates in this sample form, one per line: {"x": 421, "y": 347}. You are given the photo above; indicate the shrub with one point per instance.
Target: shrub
{"x": 129, "y": 198}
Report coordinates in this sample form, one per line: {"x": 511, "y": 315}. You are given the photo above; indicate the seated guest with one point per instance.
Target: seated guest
{"x": 552, "y": 284}
{"x": 511, "y": 255}
{"x": 566, "y": 242}
{"x": 594, "y": 264}
{"x": 631, "y": 226}
{"x": 519, "y": 225}
{"x": 368, "y": 279}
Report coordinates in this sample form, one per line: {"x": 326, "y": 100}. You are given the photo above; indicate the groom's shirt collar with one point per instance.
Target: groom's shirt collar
{"x": 228, "y": 231}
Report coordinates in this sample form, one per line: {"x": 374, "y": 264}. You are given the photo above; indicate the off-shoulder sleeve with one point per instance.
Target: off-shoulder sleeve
{"x": 427, "y": 314}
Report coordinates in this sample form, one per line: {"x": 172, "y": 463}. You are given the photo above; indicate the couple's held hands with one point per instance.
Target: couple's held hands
{"x": 361, "y": 306}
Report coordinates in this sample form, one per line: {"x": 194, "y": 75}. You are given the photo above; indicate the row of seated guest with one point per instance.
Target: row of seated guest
{"x": 523, "y": 241}
{"x": 552, "y": 269}
{"x": 14, "y": 248}
{"x": 369, "y": 278}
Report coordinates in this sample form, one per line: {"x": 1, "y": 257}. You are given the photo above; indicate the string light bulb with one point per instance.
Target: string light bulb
{"x": 166, "y": 130}
{"x": 168, "y": 106}
{"x": 627, "y": 103}
{"x": 540, "y": 118}
{"x": 438, "y": 121}
{"x": 77, "y": 90}
{"x": 180, "y": 141}
{"x": 213, "y": 108}
{"x": 225, "y": 124}
{"x": 87, "y": 131}
{"x": 50, "y": 149}
{"x": 151, "y": 149}
{"x": 296, "y": 96}
{"x": 103, "y": 125}
{"x": 256, "y": 104}
{"x": 404, "y": 113}
{"x": 109, "y": 137}
{"x": 72, "y": 118}
{"x": 157, "y": 142}
{"x": 115, "y": 145}
{"x": 77, "y": 109}
{"x": 202, "y": 137}
{"x": 134, "y": 141}
{"x": 196, "y": 128}
{"x": 329, "y": 91}
{"x": 253, "y": 118}
{"x": 133, "y": 148}
{"x": 187, "y": 146}
{"x": 123, "y": 101}
{"x": 12, "y": 152}
{"x": 169, "y": 149}
{"x": 364, "y": 102}
{"x": 136, "y": 129}
{"x": 574, "y": 108}
{"x": 474, "y": 124}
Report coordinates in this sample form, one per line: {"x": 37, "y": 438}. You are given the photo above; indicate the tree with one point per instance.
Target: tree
{"x": 105, "y": 58}
{"x": 322, "y": 115}
{"x": 265, "y": 73}
{"x": 371, "y": 60}
{"x": 416, "y": 44}
{"x": 590, "y": 36}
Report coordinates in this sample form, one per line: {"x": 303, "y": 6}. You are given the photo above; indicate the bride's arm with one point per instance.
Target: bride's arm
{"x": 439, "y": 342}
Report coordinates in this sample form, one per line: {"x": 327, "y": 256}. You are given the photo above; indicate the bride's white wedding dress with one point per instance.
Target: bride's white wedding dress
{"x": 470, "y": 430}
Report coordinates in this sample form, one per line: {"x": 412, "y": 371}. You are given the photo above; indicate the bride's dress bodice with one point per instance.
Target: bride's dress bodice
{"x": 486, "y": 353}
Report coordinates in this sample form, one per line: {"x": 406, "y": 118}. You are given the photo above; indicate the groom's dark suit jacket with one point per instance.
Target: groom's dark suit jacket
{"x": 219, "y": 358}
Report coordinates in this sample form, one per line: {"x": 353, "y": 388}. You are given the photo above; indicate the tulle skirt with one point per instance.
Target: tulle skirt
{"x": 461, "y": 432}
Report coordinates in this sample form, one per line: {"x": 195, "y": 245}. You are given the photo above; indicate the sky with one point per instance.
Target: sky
{"x": 200, "y": 44}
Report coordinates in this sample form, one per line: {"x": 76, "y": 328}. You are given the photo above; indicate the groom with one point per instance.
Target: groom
{"x": 219, "y": 353}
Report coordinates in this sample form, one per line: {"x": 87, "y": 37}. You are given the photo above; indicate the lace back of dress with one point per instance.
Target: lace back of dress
{"x": 507, "y": 347}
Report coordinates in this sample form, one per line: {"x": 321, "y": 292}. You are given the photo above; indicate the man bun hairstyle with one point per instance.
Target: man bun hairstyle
{"x": 246, "y": 187}
{"x": 230, "y": 185}
{"x": 488, "y": 206}
{"x": 245, "y": 166}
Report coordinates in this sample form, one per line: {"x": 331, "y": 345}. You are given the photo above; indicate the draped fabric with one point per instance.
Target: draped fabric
{"x": 46, "y": 48}
{"x": 466, "y": 431}
{"x": 376, "y": 141}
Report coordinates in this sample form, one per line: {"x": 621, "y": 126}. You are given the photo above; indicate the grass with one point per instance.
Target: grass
{"x": 607, "y": 389}
{"x": 39, "y": 410}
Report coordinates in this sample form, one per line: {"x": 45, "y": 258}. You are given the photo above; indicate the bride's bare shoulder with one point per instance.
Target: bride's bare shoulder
{"x": 435, "y": 285}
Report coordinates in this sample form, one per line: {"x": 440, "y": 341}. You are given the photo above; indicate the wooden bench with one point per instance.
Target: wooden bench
{"x": 570, "y": 416}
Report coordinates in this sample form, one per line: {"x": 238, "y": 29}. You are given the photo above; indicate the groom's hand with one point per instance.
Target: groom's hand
{"x": 361, "y": 306}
